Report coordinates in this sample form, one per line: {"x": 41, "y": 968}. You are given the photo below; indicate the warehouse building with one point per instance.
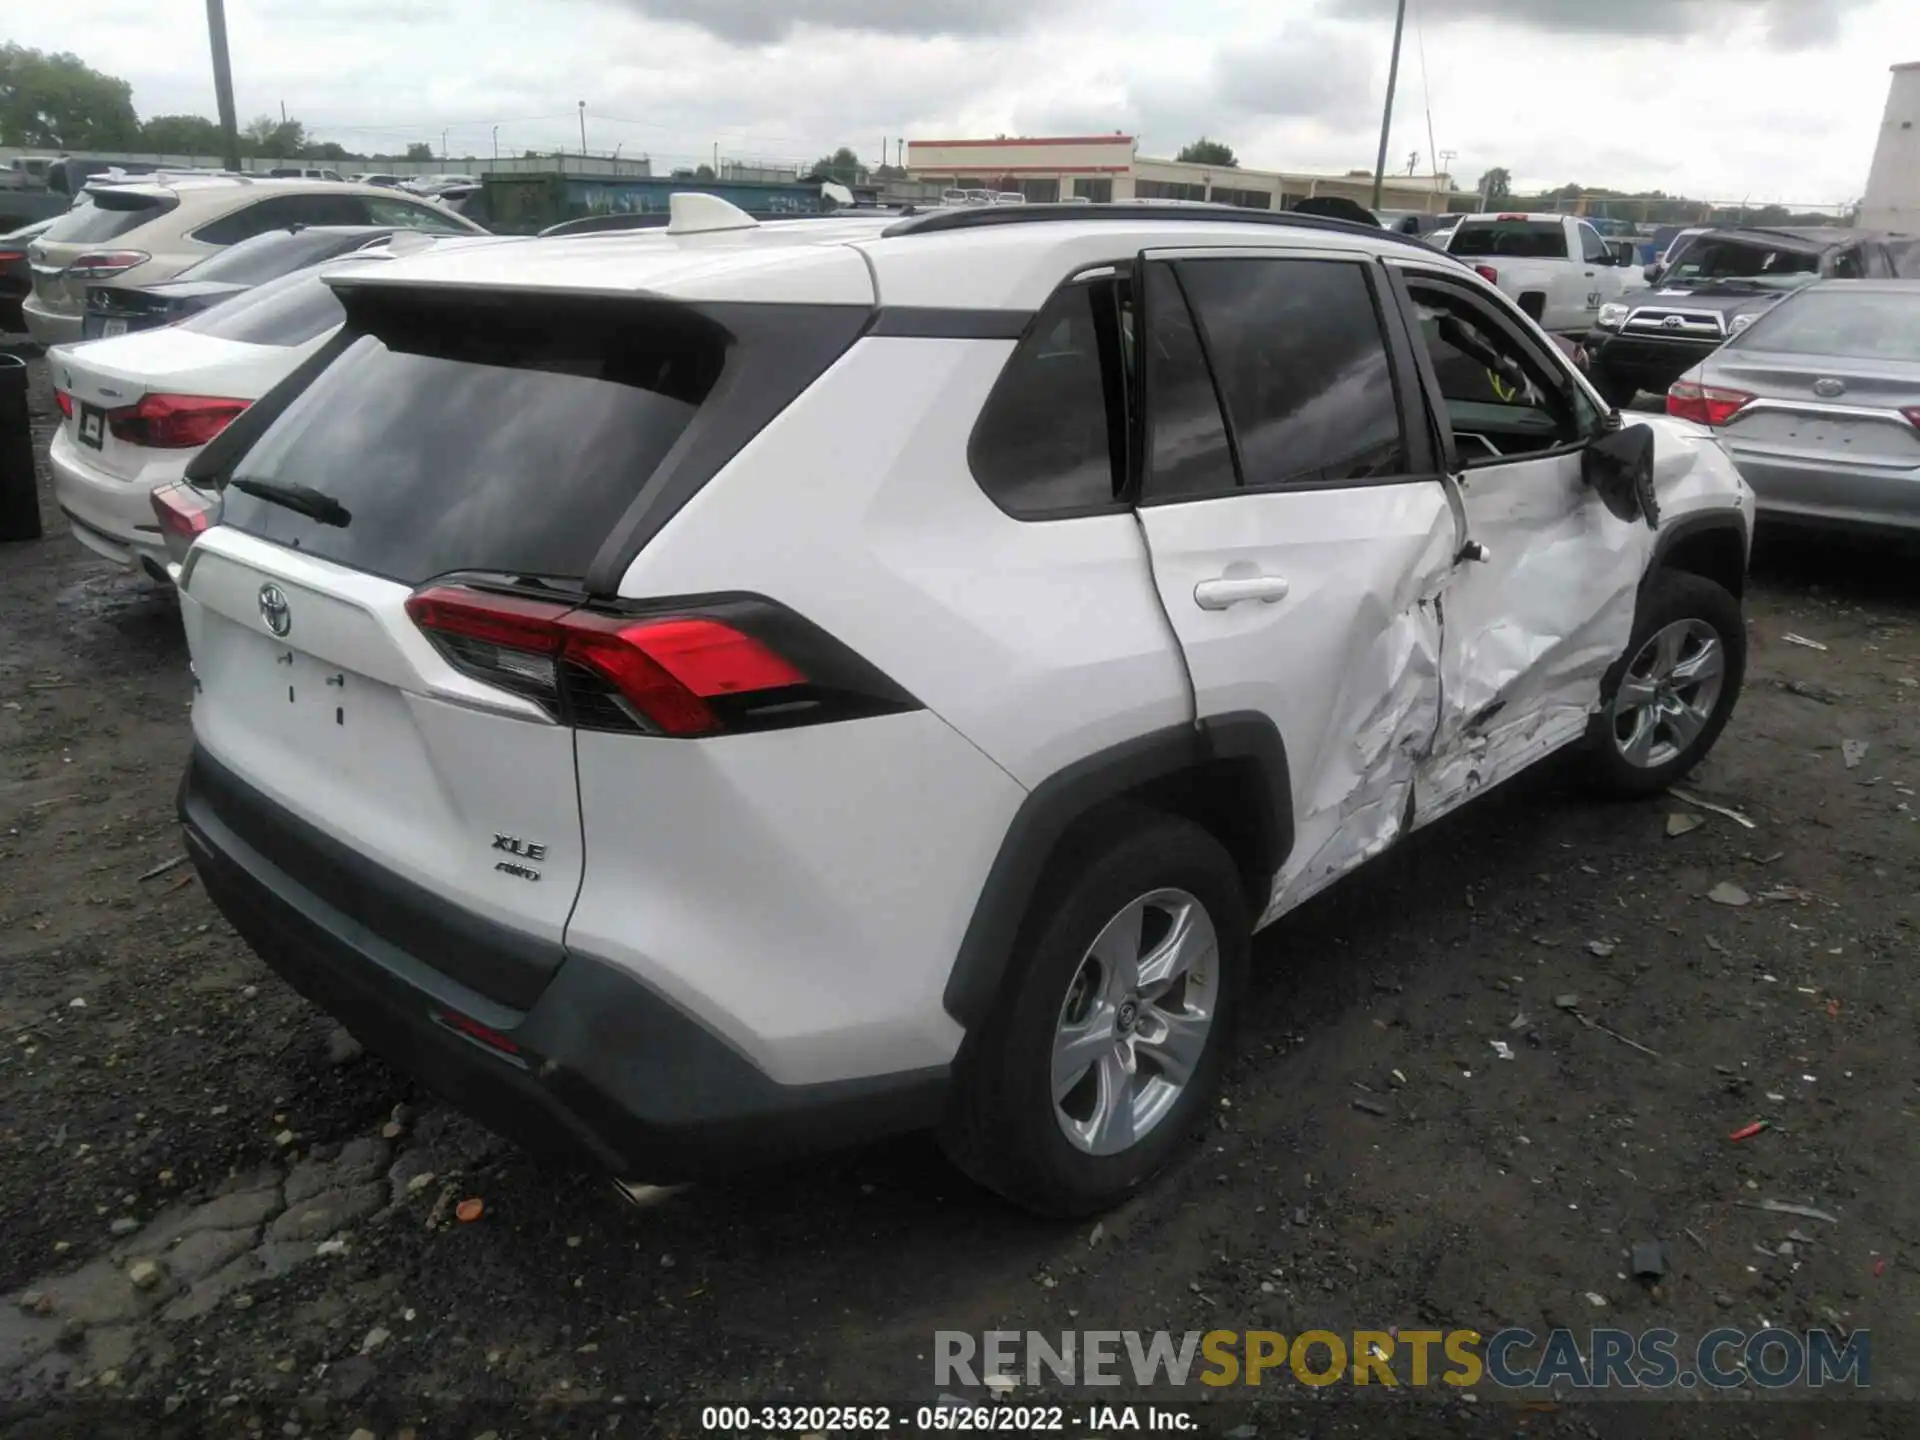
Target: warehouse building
{"x": 1106, "y": 167}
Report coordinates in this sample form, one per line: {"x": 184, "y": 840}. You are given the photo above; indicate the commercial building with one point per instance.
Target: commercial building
{"x": 1106, "y": 167}
{"x": 1892, "y": 200}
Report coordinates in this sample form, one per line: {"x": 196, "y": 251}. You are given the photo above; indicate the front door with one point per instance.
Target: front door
{"x": 1535, "y": 620}
{"x": 1299, "y": 528}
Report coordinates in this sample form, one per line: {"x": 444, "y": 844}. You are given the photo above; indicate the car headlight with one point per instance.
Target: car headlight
{"x": 1612, "y": 317}
{"x": 1739, "y": 323}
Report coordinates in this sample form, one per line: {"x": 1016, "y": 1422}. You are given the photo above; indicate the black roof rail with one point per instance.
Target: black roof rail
{"x": 980, "y": 217}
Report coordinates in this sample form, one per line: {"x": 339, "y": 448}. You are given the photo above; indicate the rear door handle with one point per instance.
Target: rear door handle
{"x": 1219, "y": 594}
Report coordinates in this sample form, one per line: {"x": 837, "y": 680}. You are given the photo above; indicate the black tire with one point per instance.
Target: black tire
{"x": 1615, "y": 391}
{"x": 1672, "y": 597}
{"x": 1001, "y": 1127}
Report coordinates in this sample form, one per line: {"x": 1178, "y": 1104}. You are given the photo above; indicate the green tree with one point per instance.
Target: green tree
{"x": 274, "y": 139}
{"x": 1208, "y": 152}
{"x": 703, "y": 172}
{"x": 55, "y": 102}
{"x": 420, "y": 150}
{"x": 180, "y": 135}
{"x": 328, "y": 150}
{"x": 1496, "y": 184}
{"x": 843, "y": 165}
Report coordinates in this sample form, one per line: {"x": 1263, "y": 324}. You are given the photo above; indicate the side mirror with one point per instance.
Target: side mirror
{"x": 1618, "y": 465}
{"x": 1653, "y": 273}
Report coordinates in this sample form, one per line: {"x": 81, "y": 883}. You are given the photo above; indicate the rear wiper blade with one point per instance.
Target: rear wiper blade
{"x": 304, "y": 499}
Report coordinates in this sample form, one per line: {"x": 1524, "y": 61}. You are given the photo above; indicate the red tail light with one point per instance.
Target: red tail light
{"x": 99, "y": 264}
{"x": 733, "y": 664}
{"x": 173, "y": 422}
{"x": 1487, "y": 273}
{"x": 1912, "y": 412}
{"x": 473, "y": 1029}
{"x": 65, "y": 402}
{"x": 9, "y": 257}
{"x": 1705, "y": 404}
{"x": 182, "y": 514}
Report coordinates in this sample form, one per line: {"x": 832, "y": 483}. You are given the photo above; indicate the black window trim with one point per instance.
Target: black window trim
{"x": 1503, "y": 314}
{"x": 1415, "y": 438}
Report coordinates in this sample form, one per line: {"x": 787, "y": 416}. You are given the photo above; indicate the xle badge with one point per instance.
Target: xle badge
{"x": 526, "y": 849}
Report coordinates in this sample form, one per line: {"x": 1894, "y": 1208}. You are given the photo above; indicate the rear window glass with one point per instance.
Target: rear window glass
{"x": 1514, "y": 239}
{"x": 289, "y": 311}
{"x": 495, "y": 433}
{"x": 96, "y": 218}
{"x": 267, "y": 257}
{"x": 1840, "y": 324}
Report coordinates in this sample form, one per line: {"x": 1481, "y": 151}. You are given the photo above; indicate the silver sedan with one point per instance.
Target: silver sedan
{"x": 1818, "y": 404}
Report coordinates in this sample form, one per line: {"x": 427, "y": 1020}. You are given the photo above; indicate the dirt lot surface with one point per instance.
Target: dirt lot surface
{"x": 217, "y": 1216}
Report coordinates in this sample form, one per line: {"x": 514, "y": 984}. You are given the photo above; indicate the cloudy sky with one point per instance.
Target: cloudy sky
{"x": 1722, "y": 99}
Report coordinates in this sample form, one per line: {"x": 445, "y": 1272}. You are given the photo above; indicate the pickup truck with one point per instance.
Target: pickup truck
{"x": 1557, "y": 268}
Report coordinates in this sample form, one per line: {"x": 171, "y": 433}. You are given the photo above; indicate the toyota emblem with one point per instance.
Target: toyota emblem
{"x": 1672, "y": 322}
{"x": 1828, "y": 389}
{"x": 274, "y": 609}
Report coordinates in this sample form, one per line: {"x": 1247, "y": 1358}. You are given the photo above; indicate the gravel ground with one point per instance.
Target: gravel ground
{"x": 216, "y": 1215}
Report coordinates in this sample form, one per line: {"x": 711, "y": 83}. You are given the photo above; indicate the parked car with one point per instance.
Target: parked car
{"x": 569, "y": 596}
{"x": 24, "y": 172}
{"x": 116, "y": 310}
{"x": 16, "y": 275}
{"x": 138, "y": 408}
{"x": 375, "y": 177}
{"x": 1557, "y": 268}
{"x": 1714, "y": 286}
{"x": 137, "y": 233}
{"x": 1818, "y": 403}
{"x": 302, "y": 172}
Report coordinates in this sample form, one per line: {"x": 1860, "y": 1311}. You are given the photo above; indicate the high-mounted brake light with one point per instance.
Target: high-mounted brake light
{"x": 173, "y": 422}
{"x": 713, "y": 668}
{"x": 1487, "y": 273}
{"x": 1705, "y": 404}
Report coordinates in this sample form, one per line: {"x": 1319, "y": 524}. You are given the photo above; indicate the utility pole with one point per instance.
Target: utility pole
{"x": 1386, "y": 118}
{"x": 583, "y": 129}
{"x": 223, "y": 81}
{"x": 443, "y": 146}
{"x": 496, "y": 143}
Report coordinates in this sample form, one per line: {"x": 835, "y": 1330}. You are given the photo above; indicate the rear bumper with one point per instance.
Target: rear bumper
{"x": 50, "y": 327}
{"x": 110, "y": 516}
{"x": 1650, "y": 364}
{"x": 603, "y": 1069}
{"x": 1831, "y": 493}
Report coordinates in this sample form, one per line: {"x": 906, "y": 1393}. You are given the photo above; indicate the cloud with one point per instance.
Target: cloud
{"x": 762, "y": 22}
{"x": 1785, "y": 23}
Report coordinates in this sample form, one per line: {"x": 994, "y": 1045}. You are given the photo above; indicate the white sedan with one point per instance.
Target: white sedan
{"x": 139, "y": 407}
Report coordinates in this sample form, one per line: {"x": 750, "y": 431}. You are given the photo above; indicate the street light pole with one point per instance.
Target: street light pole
{"x": 1386, "y": 118}
{"x": 583, "y": 129}
{"x": 223, "y": 81}
{"x": 496, "y": 142}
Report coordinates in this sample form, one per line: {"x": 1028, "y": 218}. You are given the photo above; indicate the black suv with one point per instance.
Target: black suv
{"x": 1716, "y": 286}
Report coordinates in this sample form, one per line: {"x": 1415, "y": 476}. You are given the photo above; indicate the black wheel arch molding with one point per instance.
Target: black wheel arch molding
{"x": 1229, "y": 773}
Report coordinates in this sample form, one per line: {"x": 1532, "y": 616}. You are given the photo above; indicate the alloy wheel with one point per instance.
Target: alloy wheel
{"x": 1668, "y": 695}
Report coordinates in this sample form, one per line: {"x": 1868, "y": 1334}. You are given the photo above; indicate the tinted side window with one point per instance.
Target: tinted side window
{"x": 1052, "y": 436}
{"x": 258, "y": 218}
{"x": 1302, "y": 366}
{"x": 1188, "y": 452}
{"x": 407, "y": 216}
{"x": 1594, "y": 249}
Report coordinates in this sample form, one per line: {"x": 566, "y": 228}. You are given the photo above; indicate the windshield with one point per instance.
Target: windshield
{"x": 1840, "y": 324}
{"x": 1513, "y": 239}
{"x": 1706, "y": 261}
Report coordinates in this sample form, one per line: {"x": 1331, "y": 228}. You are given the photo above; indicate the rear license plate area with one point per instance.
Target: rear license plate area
{"x": 93, "y": 426}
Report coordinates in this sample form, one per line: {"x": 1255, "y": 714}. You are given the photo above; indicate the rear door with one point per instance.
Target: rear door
{"x": 1299, "y": 531}
{"x": 1534, "y": 623}
{"x": 495, "y": 439}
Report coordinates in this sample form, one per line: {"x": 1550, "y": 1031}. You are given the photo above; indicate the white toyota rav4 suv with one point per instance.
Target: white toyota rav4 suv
{"x": 700, "y": 695}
